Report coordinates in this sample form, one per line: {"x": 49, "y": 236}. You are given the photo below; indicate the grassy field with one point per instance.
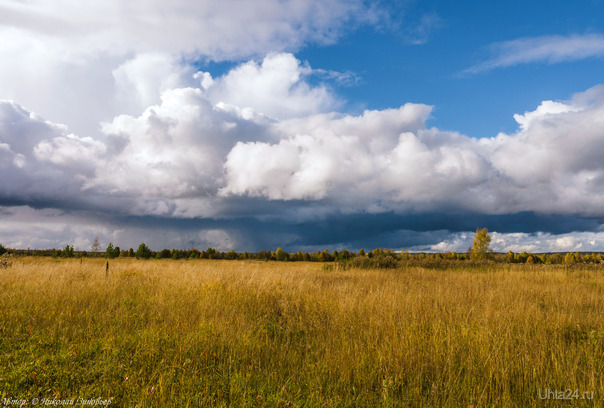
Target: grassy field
{"x": 239, "y": 333}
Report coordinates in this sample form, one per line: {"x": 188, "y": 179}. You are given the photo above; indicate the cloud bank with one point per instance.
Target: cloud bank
{"x": 108, "y": 127}
{"x": 222, "y": 150}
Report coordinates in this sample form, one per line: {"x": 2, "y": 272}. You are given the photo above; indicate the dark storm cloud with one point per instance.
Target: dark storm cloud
{"x": 361, "y": 230}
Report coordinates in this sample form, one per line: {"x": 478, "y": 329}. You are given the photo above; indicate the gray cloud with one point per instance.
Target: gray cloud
{"x": 47, "y": 228}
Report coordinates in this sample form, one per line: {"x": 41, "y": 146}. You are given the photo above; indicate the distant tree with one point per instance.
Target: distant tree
{"x": 343, "y": 255}
{"x": 109, "y": 251}
{"x": 68, "y": 252}
{"x": 361, "y": 252}
{"x": 263, "y": 255}
{"x": 480, "y": 244}
{"x": 112, "y": 252}
{"x": 211, "y": 252}
{"x": 325, "y": 256}
{"x": 143, "y": 252}
{"x": 377, "y": 252}
{"x": 522, "y": 257}
{"x": 280, "y": 255}
{"x": 96, "y": 245}
{"x": 2, "y": 249}
{"x": 510, "y": 257}
{"x": 131, "y": 253}
{"x": 570, "y": 258}
{"x": 165, "y": 253}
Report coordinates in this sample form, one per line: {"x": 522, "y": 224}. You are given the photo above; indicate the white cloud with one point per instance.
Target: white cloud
{"x": 79, "y": 63}
{"x": 189, "y": 153}
{"x": 219, "y": 29}
{"x": 545, "y": 49}
{"x": 420, "y": 33}
{"x": 390, "y": 159}
{"x": 140, "y": 81}
{"x": 553, "y": 162}
{"x": 173, "y": 151}
{"x": 526, "y": 242}
{"x": 210, "y": 143}
{"x": 78, "y": 154}
{"x": 275, "y": 88}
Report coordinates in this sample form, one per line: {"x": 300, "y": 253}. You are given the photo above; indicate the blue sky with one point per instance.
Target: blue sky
{"x": 392, "y": 69}
{"x": 304, "y": 124}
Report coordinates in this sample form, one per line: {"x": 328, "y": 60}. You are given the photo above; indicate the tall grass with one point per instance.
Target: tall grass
{"x": 247, "y": 333}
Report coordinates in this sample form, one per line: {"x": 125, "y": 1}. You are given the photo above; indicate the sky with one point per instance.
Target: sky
{"x": 302, "y": 124}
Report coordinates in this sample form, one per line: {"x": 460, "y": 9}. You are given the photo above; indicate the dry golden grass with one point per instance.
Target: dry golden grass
{"x": 247, "y": 333}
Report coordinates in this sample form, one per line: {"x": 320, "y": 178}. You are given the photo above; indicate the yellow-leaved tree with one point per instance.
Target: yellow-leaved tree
{"x": 481, "y": 244}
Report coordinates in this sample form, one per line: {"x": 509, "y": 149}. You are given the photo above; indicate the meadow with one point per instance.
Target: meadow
{"x": 284, "y": 334}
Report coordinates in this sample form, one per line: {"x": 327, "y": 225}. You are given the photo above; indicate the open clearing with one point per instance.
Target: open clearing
{"x": 249, "y": 333}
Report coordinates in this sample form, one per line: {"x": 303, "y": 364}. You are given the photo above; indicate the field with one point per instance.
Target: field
{"x": 249, "y": 333}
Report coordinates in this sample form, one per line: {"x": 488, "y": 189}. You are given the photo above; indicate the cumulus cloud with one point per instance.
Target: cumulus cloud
{"x": 83, "y": 63}
{"x": 220, "y": 29}
{"x": 141, "y": 80}
{"x": 383, "y": 163}
{"x": 217, "y": 148}
{"x": 274, "y": 88}
{"x": 545, "y": 49}
{"x": 28, "y": 173}
{"x": 218, "y": 140}
{"x": 558, "y": 146}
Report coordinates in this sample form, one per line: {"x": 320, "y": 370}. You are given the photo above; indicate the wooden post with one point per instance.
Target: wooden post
{"x": 107, "y": 270}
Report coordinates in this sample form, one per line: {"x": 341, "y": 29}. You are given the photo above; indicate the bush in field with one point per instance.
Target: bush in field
{"x": 143, "y": 252}
{"x": 2, "y": 249}
{"x": 364, "y": 262}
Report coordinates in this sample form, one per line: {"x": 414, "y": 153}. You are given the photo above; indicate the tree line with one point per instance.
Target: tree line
{"x": 379, "y": 257}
